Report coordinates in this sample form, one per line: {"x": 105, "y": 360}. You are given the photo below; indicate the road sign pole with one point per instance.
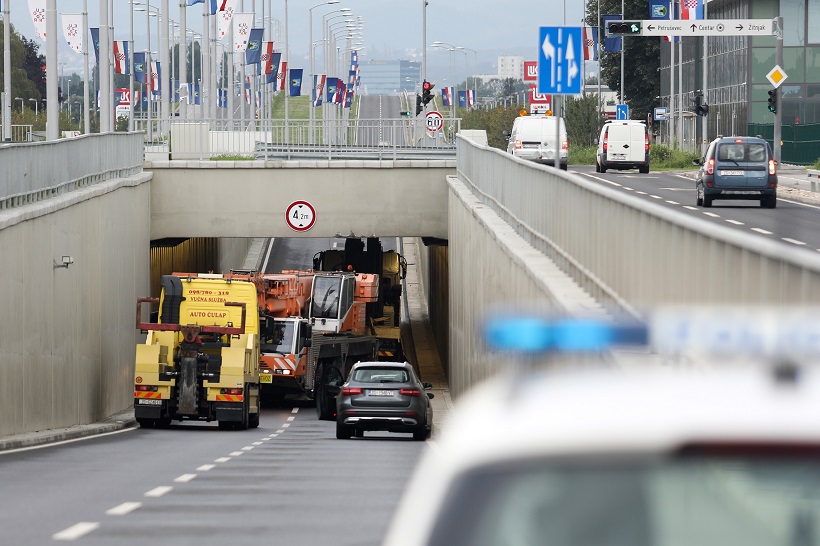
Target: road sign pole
{"x": 623, "y": 46}
{"x": 778, "y": 116}
{"x": 705, "y": 118}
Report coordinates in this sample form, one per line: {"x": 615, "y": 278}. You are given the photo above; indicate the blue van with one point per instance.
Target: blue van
{"x": 737, "y": 168}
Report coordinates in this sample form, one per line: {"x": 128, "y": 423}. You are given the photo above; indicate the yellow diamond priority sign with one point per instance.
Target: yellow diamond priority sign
{"x": 777, "y": 76}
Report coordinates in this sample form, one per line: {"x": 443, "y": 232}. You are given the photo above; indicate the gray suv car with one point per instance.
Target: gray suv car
{"x": 737, "y": 168}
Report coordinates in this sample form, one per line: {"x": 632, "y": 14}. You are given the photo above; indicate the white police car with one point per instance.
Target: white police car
{"x": 597, "y": 456}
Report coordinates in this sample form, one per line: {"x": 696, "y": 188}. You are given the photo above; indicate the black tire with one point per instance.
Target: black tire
{"x": 420, "y": 434}
{"x": 644, "y": 170}
{"x": 164, "y": 422}
{"x": 597, "y": 167}
{"x": 603, "y": 168}
{"x": 699, "y": 201}
{"x": 147, "y": 423}
{"x": 563, "y": 166}
{"x": 325, "y": 405}
{"x": 707, "y": 201}
{"x": 358, "y": 433}
{"x": 226, "y": 425}
{"x": 246, "y": 410}
{"x": 343, "y": 432}
{"x": 769, "y": 201}
{"x": 253, "y": 418}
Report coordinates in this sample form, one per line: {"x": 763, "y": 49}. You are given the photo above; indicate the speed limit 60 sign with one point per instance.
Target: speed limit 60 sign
{"x": 434, "y": 121}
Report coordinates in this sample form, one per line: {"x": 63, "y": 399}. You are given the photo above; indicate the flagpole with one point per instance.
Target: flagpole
{"x": 52, "y": 61}
{"x": 705, "y": 127}
{"x": 680, "y": 92}
{"x": 623, "y": 47}
{"x": 182, "y": 69}
{"x": 102, "y": 68}
{"x": 598, "y": 45}
{"x": 131, "y": 64}
{"x": 165, "y": 90}
{"x": 232, "y": 76}
{"x": 7, "y": 71}
{"x": 672, "y": 109}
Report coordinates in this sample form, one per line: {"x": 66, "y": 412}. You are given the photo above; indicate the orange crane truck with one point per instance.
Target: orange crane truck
{"x": 200, "y": 359}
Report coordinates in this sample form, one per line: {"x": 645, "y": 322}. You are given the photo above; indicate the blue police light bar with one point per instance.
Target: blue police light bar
{"x": 535, "y": 335}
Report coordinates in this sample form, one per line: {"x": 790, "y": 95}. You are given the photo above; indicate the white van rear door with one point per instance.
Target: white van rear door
{"x": 619, "y": 142}
{"x": 637, "y": 145}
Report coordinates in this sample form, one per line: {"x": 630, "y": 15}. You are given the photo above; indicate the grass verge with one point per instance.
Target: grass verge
{"x": 661, "y": 157}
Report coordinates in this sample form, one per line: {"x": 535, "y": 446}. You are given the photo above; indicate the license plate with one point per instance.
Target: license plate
{"x": 380, "y": 393}
{"x": 620, "y": 157}
{"x": 265, "y": 378}
{"x": 731, "y": 173}
{"x": 149, "y": 402}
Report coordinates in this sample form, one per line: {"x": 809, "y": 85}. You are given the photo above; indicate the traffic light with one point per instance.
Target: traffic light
{"x": 406, "y": 113}
{"x": 701, "y": 108}
{"x": 773, "y": 101}
{"x": 427, "y": 92}
{"x": 419, "y": 107}
{"x": 624, "y": 28}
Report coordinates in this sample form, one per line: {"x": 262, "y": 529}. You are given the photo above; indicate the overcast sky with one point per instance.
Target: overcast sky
{"x": 392, "y": 28}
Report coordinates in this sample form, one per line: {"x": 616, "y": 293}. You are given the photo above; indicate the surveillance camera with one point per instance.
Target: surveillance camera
{"x": 68, "y": 260}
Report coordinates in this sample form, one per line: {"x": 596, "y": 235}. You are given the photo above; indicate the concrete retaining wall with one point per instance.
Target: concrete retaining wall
{"x": 67, "y": 335}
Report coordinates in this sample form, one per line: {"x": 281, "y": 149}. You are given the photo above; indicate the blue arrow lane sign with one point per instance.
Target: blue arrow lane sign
{"x": 621, "y": 111}
{"x": 559, "y": 60}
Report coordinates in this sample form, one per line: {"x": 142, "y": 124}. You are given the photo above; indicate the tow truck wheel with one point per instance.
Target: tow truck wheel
{"x": 146, "y": 423}
{"x": 165, "y": 422}
{"x": 246, "y": 410}
{"x": 253, "y": 418}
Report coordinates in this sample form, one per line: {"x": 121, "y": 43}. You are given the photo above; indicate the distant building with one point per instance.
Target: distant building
{"x": 510, "y": 66}
{"x": 389, "y": 77}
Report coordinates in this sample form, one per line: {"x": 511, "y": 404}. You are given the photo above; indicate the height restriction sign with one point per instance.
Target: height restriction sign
{"x": 300, "y": 216}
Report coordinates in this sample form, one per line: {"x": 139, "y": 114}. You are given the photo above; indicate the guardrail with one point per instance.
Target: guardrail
{"x": 36, "y": 171}
{"x": 328, "y": 139}
{"x": 630, "y": 253}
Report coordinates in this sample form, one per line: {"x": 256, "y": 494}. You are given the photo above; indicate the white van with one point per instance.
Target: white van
{"x": 623, "y": 144}
{"x": 533, "y": 138}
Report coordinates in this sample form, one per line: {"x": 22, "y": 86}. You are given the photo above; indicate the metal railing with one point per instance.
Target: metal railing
{"x": 19, "y": 133}
{"x": 630, "y": 253}
{"x": 36, "y": 171}
{"x": 324, "y": 139}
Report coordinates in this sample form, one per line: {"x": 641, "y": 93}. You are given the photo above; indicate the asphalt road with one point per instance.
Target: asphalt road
{"x": 793, "y": 222}
{"x": 288, "y": 482}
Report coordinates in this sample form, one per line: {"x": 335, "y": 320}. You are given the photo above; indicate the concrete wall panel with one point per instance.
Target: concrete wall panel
{"x": 67, "y": 335}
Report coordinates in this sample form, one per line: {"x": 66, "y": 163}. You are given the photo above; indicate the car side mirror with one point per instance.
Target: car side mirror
{"x": 506, "y": 133}
{"x": 697, "y": 162}
{"x": 430, "y": 395}
{"x": 427, "y": 386}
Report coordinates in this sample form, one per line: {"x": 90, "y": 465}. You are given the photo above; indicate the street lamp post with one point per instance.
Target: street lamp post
{"x": 312, "y": 68}
{"x": 22, "y": 102}
{"x": 36, "y": 109}
{"x": 475, "y": 75}
{"x": 7, "y": 72}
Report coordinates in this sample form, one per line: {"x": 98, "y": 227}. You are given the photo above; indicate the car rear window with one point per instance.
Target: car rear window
{"x": 742, "y": 151}
{"x": 380, "y": 375}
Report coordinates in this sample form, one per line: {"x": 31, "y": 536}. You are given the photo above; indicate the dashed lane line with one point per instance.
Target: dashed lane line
{"x": 712, "y": 214}
{"x": 185, "y": 478}
{"x": 291, "y": 418}
{"x": 236, "y": 453}
{"x": 76, "y": 531}
{"x": 295, "y": 410}
{"x": 672, "y": 202}
{"x": 285, "y": 425}
{"x": 206, "y": 467}
{"x": 123, "y": 509}
{"x": 158, "y": 491}
{"x": 656, "y": 197}
{"x": 763, "y": 231}
{"x": 222, "y": 460}
{"x": 247, "y": 448}
{"x": 690, "y": 207}
{"x": 735, "y": 222}
{"x": 793, "y": 241}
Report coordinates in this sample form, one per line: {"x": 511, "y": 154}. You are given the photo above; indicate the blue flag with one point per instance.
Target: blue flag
{"x": 295, "y": 82}
{"x": 95, "y": 39}
{"x": 222, "y": 98}
{"x": 253, "y": 53}
{"x": 332, "y": 86}
{"x": 611, "y": 44}
{"x": 462, "y": 99}
{"x": 139, "y": 68}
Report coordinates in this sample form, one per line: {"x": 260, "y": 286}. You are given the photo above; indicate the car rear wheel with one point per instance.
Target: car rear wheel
{"x": 768, "y": 201}
{"x": 644, "y": 170}
{"x": 420, "y": 434}
{"x": 597, "y": 167}
{"x": 707, "y": 201}
{"x": 699, "y": 201}
{"x": 358, "y": 433}
{"x": 343, "y": 432}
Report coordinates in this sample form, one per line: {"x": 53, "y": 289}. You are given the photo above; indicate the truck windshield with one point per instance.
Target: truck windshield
{"x": 681, "y": 502}
{"x": 325, "y": 302}
{"x": 278, "y": 337}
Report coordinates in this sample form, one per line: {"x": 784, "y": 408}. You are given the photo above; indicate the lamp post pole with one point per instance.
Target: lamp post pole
{"x": 7, "y": 72}
{"x": 52, "y": 65}
{"x": 183, "y": 55}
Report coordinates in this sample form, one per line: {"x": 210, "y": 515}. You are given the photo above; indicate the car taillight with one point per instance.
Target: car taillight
{"x": 410, "y": 392}
{"x": 646, "y": 142}
{"x": 230, "y": 391}
{"x": 517, "y": 144}
{"x": 145, "y": 388}
{"x": 710, "y": 167}
{"x": 350, "y": 391}
{"x": 772, "y": 166}
{"x": 606, "y": 141}
{"x": 565, "y": 145}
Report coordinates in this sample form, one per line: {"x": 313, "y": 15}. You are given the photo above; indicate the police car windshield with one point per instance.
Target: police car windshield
{"x": 686, "y": 502}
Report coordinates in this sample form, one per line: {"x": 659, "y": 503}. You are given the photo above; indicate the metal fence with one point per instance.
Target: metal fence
{"x": 327, "y": 139}
{"x": 36, "y": 171}
{"x": 631, "y": 253}
{"x": 19, "y": 133}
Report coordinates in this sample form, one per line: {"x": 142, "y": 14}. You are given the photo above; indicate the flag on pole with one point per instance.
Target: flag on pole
{"x": 691, "y": 9}
{"x": 242, "y": 23}
{"x": 253, "y": 54}
{"x": 121, "y": 65}
{"x": 295, "y": 82}
{"x": 37, "y": 10}
{"x": 273, "y": 75}
{"x": 590, "y": 43}
{"x": 447, "y": 96}
{"x": 225, "y": 17}
{"x": 248, "y": 90}
{"x": 222, "y": 97}
{"x": 341, "y": 91}
{"x": 462, "y": 99}
{"x": 193, "y": 93}
{"x": 280, "y": 84}
{"x": 470, "y": 98}
{"x": 192, "y": 2}
{"x": 72, "y": 30}
{"x": 95, "y": 39}
{"x": 266, "y": 58}
{"x": 156, "y": 73}
{"x": 332, "y": 87}
{"x": 318, "y": 89}
{"x": 139, "y": 68}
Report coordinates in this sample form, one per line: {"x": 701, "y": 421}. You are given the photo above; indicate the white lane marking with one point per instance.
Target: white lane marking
{"x": 798, "y": 203}
{"x": 672, "y": 202}
{"x": 689, "y": 207}
{"x": 76, "y": 531}
{"x": 291, "y": 418}
{"x": 285, "y": 425}
{"x": 763, "y": 231}
{"x": 158, "y": 491}
{"x": 735, "y": 222}
{"x": 656, "y": 197}
{"x": 641, "y": 192}
{"x": 599, "y": 179}
{"x": 793, "y": 241}
{"x": 123, "y": 509}
{"x": 614, "y": 183}
{"x": 206, "y": 467}
{"x": 247, "y": 448}
{"x": 677, "y": 189}
{"x": 257, "y": 443}
{"x": 185, "y": 478}
{"x": 280, "y": 431}
{"x": 222, "y": 460}
{"x": 628, "y": 189}
{"x": 236, "y": 453}
{"x": 683, "y": 176}
{"x": 712, "y": 214}
{"x": 43, "y": 446}
{"x": 295, "y": 410}
{"x": 275, "y": 435}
